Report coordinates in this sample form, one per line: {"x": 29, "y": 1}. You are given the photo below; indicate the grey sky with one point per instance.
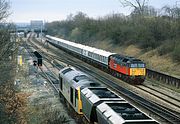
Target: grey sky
{"x": 50, "y": 10}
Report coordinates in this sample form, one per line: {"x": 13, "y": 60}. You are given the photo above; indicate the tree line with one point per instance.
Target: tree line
{"x": 146, "y": 27}
{"x": 8, "y": 99}
{"x": 4, "y": 29}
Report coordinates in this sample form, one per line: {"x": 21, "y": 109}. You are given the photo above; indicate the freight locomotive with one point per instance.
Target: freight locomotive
{"x": 97, "y": 103}
{"x": 126, "y": 68}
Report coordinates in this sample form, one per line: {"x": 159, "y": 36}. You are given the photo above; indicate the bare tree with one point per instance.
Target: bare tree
{"x": 4, "y": 9}
{"x": 4, "y": 27}
{"x": 138, "y": 5}
{"x": 173, "y": 13}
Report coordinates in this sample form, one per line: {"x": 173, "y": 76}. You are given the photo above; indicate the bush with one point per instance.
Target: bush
{"x": 167, "y": 47}
{"x": 176, "y": 53}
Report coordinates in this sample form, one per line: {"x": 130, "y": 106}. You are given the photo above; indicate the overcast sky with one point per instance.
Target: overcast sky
{"x": 50, "y": 10}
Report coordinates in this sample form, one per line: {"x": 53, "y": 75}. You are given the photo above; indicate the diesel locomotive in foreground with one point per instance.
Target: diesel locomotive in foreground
{"x": 97, "y": 103}
{"x": 126, "y": 68}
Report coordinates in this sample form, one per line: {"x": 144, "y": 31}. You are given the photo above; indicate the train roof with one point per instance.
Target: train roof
{"x": 125, "y": 58}
{"x": 103, "y": 92}
{"x": 97, "y": 51}
{"x": 88, "y": 48}
{"x": 84, "y": 47}
{"x": 116, "y": 112}
{"x": 77, "y": 78}
{"x": 70, "y": 72}
{"x": 53, "y": 38}
{"x": 61, "y": 40}
{"x": 103, "y": 52}
{"x": 95, "y": 94}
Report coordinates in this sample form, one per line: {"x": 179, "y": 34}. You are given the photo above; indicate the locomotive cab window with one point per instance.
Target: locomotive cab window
{"x": 125, "y": 60}
{"x": 128, "y": 65}
{"x": 133, "y": 65}
{"x": 76, "y": 97}
{"x": 141, "y": 65}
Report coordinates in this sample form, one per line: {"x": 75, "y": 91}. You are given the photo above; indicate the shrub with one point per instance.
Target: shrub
{"x": 167, "y": 47}
{"x": 176, "y": 53}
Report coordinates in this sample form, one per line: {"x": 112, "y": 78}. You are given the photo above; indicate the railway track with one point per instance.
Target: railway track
{"x": 52, "y": 78}
{"x": 165, "y": 113}
{"x": 163, "y": 93}
{"x": 165, "y": 97}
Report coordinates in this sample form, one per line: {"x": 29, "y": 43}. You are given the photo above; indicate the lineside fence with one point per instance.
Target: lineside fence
{"x": 167, "y": 79}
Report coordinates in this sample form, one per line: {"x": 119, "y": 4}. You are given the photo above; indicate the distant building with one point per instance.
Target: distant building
{"x": 37, "y": 25}
{"x": 22, "y": 26}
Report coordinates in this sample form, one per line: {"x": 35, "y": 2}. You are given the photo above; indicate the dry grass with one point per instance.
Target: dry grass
{"x": 22, "y": 108}
{"x": 7, "y": 93}
{"x": 132, "y": 50}
{"x": 101, "y": 44}
{"x": 15, "y": 104}
{"x": 161, "y": 63}
{"x": 108, "y": 46}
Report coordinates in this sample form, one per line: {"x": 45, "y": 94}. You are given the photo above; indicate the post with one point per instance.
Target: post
{"x": 41, "y": 31}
